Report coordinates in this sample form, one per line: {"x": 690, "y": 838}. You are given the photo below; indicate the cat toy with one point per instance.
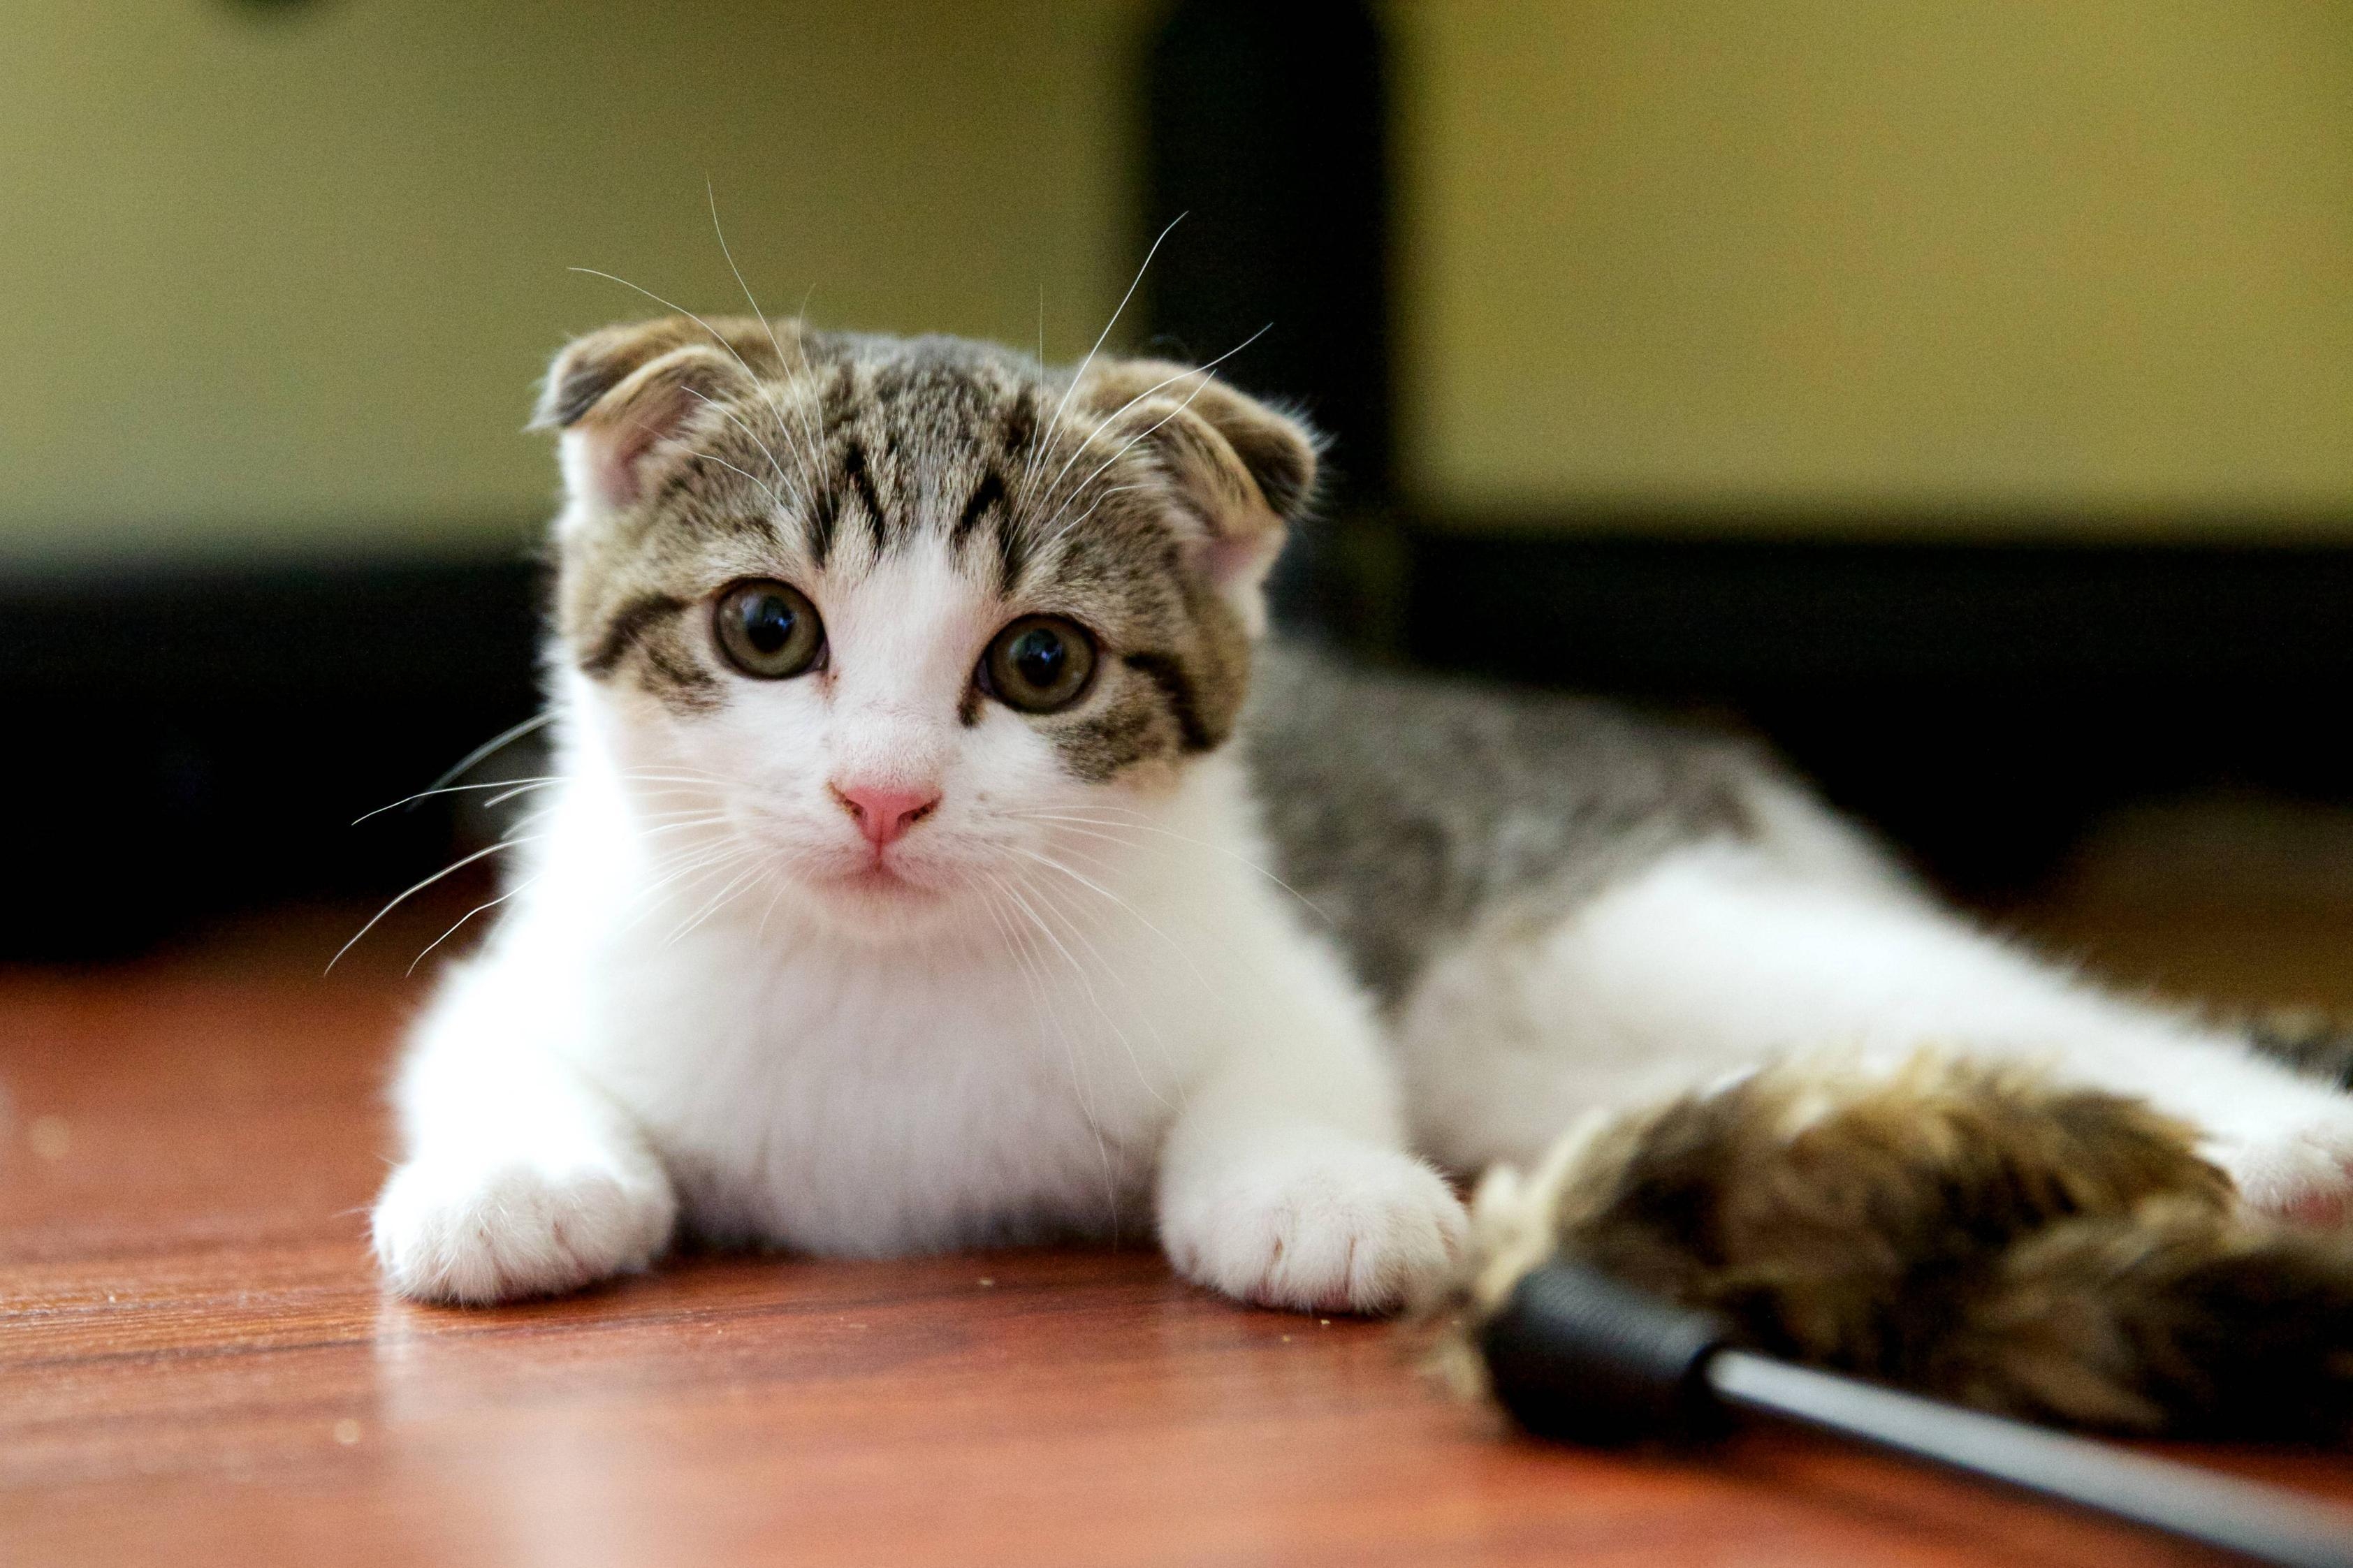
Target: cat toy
{"x": 1966, "y": 1243}
{"x": 1576, "y": 1354}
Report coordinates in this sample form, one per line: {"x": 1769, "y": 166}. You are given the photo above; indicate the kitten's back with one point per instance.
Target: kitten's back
{"x": 1407, "y": 808}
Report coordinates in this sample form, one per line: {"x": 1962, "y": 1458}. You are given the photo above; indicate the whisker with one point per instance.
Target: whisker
{"x": 684, "y": 786}
{"x": 725, "y": 896}
{"x": 457, "y": 789}
{"x": 1092, "y": 506}
{"x": 461, "y": 919}
{"x": 542, "y": 781}
{"x": 799, "y": 492}
{"x": 766, "y": 489}
{"x": 413, "y": 888}
{"x": 1110, "y": 971}
{"x": 716, "y": 336}
{"x": 701, "y": 863}
{"x": 698, "y": 320}
{"x": 1113, "y": 417}
{"x": 761, "y": 934}
{"x": 506, "y": 737}
{"x": 1229, "y": 853}
{"x": 1030, "y": 472}
{"x": 1144, "y": 434}
{"x": 1108, "y": 420}
{"x": 1033, "y": 973}
{"x": 809, "y": 454}
{"x": 1093, "y": 886}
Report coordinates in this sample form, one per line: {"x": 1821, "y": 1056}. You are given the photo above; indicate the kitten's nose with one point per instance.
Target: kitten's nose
{"x": 884, "y": 814}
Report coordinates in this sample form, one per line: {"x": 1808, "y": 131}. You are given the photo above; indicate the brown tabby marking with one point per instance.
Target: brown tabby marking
{"x": 814, "y": 456}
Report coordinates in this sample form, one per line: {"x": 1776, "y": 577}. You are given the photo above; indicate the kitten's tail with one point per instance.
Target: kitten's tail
{"x": 1963, "y": 1229}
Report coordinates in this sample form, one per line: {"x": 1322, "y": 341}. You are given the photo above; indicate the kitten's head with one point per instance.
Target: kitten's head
{"x": 874, "y": 612}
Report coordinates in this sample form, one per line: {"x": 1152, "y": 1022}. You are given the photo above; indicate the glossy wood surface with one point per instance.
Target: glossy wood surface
{"x": 196, "y": 1368}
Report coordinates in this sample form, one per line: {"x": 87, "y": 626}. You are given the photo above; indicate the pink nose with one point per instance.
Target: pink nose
{"x": 884, "y": 814}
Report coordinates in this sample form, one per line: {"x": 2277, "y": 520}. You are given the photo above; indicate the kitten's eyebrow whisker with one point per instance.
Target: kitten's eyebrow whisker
{"x": 1106, "y": 422}
{"x": 1203, "y": 372}
{"x": 1079, "y": 375}
{"x": 809, "y": 454}
{"x": 662, "y": 433}
{"x": 1080, "y": 520}
{"x": 717, "y": 336}
{"x": 776, "y": 468}
{"x": 701, "y": 456}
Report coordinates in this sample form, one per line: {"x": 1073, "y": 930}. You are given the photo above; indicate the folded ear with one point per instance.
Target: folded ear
{"x": 618, "y": 393}
{"x": 1247, "y": 470}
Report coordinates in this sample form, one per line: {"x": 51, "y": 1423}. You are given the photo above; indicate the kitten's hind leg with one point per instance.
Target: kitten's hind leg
{"x": 520, "y": 1179}
{"x": 1718, "y": 959}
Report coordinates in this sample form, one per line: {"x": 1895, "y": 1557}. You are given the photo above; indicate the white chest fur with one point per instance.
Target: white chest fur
{"x": 850, "y": 1100}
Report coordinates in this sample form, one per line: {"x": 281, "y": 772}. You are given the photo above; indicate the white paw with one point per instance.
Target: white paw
{"x": 1332, "y": 1225}
{"x": 459, "y": 1231}
{"x": 2292, "y": 1160}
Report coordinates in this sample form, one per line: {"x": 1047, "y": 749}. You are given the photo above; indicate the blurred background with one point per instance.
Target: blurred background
{"x": 1960, "y": 394}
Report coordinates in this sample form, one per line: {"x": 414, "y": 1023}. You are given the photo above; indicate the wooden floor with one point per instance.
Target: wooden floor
{"x": 197, "y": 1367}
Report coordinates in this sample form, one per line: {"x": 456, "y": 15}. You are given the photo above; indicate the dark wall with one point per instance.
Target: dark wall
{"x": 1982, "y": 703}
{"x": 190, "y": 744}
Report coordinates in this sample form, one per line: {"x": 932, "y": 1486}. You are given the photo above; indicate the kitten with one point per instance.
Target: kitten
{"x": 901, "y": 891}
{"x": 941, "y": 856}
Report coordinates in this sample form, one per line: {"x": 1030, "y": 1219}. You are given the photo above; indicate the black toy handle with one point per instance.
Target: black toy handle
{"x": 1575, "y": 1354}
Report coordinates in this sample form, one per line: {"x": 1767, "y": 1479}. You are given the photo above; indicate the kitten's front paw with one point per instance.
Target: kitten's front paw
{"x": 2295, "y": 1160}
{"x": 448, "y": 1231}
{"x": 1333, "y": 1226}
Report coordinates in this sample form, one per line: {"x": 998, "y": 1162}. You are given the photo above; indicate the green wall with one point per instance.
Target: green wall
{"x": 283, "y": 281}
{"x": 1997, "y": 263}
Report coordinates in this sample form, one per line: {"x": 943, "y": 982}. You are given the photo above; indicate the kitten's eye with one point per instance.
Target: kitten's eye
{"x": 1039, "y": 663}
{"x": 768, "y": 629}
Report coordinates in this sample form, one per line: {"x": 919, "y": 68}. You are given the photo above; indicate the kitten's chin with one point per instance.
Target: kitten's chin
{"x": 877, "y": 902}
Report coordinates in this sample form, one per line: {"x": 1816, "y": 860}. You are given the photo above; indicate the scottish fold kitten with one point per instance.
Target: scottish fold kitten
{"x": 942, "y": 855}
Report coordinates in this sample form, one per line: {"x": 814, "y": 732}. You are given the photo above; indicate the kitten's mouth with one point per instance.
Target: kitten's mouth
{"x": 879, "y": 877}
